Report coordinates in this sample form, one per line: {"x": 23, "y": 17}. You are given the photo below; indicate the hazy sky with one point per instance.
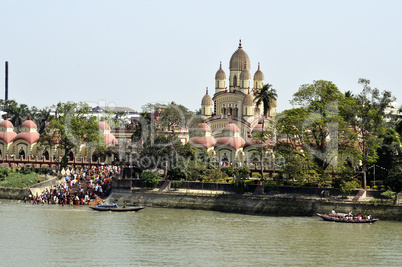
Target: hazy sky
{"x": 129, "y": 53}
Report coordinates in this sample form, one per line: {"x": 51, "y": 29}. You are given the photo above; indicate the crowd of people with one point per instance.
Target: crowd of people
{"x": 78, "y": 187}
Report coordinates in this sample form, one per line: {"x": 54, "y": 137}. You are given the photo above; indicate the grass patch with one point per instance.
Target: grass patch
{"x": 20, "y": 180}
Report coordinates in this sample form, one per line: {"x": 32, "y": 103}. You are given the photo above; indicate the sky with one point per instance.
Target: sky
{"x": 130, "y": 53}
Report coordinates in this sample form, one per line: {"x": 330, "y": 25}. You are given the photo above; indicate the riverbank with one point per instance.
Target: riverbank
{"x": 286, "y": 205}
{"x": 14, "y": 193}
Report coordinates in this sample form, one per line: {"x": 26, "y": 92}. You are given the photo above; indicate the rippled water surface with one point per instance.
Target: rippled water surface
{"x": 77, "y": 236}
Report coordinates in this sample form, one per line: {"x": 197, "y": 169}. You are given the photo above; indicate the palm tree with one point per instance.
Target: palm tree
{"x": 41, "y": 117}
{"x": 267, "y": 95}
{"x": 16, "y": 113}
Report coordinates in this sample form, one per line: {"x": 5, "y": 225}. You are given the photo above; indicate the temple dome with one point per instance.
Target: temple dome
{"x": 203, "y": 127}
{"x": 6, "y": 124}
{"x": 220, "y": 74}
{"x": 28, "y": 132}
{"x": 29, "y": 124}
{"x": 206, "y": 100}
{"x": 238, "y": 59}
{"x": 205, "y": 141}
{"x": 103, "y": 125}
{"x": 258, "y": 127}
{"x": 248, "y": 100}
{"x": 245, "y": 74}
{"x": 231, "y": 137}
{"x": 231, "y": 127}
{"x": 110, "y": 139}
{"x": 259, "y": 76}
{"x": 30, "y": 137}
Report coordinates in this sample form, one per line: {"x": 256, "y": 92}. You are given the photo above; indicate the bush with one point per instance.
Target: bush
{"x": 43, "y": 170}
{"x": 3, "y": 173}
{"x": 24, "y": 170}
{"x": 149, "y": 178}
{"x": 389, "y": 194}
{"x": 256, "y": 175}
{"x": 347, "y": 187}
{"x": 214, "y": 174}
{"x": 176, "y": 173}
{"x": 228, "y": 170}
{"x": 240, "y": 186}
{"x": 176, "y": 184}
{"x": 243, "y": 172}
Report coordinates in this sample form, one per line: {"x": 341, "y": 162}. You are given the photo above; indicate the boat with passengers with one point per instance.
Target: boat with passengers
{"x": 346, "y": 218}
{"x": 115, "y": 207}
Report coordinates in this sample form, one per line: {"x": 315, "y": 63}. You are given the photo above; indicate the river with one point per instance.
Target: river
{"x": 51, "y": 235}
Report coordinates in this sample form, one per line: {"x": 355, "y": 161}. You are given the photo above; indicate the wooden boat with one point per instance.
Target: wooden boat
{"x": 345, "y": 218}
{"x": 115, "y": 207}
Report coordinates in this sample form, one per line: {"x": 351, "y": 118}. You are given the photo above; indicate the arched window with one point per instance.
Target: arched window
{"x": 45, "y": 155}
{"x": 236, "y": 112}
{"x": 70, "y": 156}
{"x": 235, "y": 81}
{"x": 21, "y": 154}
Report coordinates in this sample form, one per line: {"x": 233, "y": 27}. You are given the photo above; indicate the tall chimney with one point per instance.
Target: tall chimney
{"x": 6, "y": 96}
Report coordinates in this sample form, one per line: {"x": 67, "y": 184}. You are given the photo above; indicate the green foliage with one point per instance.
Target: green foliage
{"x": 321, "y": 122}
{"x": 228, "y": 170}
{"x": 388, "y": 154}
{"x": 213, "y": 174}
{"x": 176, "y": 173}
{"x": 43, "y": 170}
{"x": 256, "y": 175}
{"x": 71, "y": 127}
{"x": 165, "y": 150}
{"x": 64, "y": 162}
{"x": 173, "y": 115}
{"x": 149, "y": 178}
{"x": 3, "y": 173}
{"x": 176, "y": 184}
{"x": 17, "y": 113}
{"x": 389, "y": 194}
{"x": 347, "y": 187}
{"x": 368, "y": 121}
{"x": 242, "y": 172}
{"x": 266, "y": 96}
{"x": 240, "y": 186}
{"x": 24, "y": 170}
{"x": 19, "y": 180}
{"x": 394, "y": 179}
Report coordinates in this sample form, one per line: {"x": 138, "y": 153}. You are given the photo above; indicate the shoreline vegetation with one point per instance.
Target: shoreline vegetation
{"x": 268, "y": 205}
{"x": 302, "y": 202}
{"x": 22, "y": 177}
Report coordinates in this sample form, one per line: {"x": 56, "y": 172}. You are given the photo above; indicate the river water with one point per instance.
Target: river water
{"x": 51, "y": 235}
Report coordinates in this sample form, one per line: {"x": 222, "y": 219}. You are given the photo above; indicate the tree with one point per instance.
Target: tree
{"x": 174, "y": 115}
{"x": 40, "y": 117}
{"x": 142, "y": 129}
{"x": 369, "y": 122}
{"x": 149, "y": 178}
{"x": 261, "y": 139}
{"x": 70, "y": 128}
{"x": 266, "y": 96}
{"x": 388, "y": 153}
{"x": 16, "y": 114}
{"x": 323, "y": 128}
